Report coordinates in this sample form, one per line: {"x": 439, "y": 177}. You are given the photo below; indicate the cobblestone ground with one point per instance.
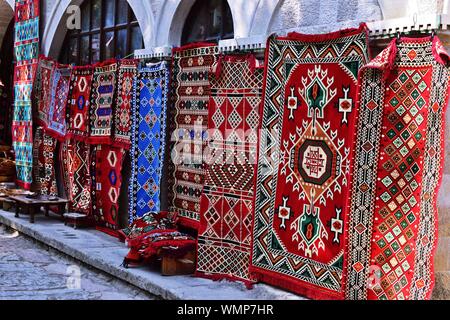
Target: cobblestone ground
{"x": 30, "y": 271}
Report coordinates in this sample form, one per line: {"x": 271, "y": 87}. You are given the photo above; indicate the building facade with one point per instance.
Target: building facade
{"x": 162, "y": 23}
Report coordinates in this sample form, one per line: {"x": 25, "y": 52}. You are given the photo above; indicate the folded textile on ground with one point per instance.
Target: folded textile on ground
{"x": 148, "y": 222}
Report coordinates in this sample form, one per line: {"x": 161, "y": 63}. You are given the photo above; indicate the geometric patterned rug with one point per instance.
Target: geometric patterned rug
{"x": 42, "y": 90}
{"x": 57, "y": 109}
{"x": 102, "y": 100}
{"x": 148, "y": 139}
{"x": 397, "y": 172}
{"x": 304, "y": 161}
{"x": 126, "y": 75}
{"x": 78, "y": 103}
{"x": 44, "y": 149}
{"x": 188, "y": 124}
{"x": 226, "y": 206}
{"x": 74, "y": 159}
{"x": 26, "y": 49}
{"x": 106, "y": 166}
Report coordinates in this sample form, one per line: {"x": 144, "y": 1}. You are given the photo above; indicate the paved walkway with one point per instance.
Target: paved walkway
{"x": 106, "y": 253}
{"x": 30, "y": 271}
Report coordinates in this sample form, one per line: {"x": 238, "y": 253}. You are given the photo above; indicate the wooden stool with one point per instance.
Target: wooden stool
{"x": 171, "y": 266}
{"x": 75, "y": 219}
{"x": 7, "y": 203}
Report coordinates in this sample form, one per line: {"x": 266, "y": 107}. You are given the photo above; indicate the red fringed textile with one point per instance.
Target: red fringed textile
{"x": 75, "y": 159}
{"x": 304, "y": 163}
{"x": 145, "y": 248}
{"x": 102, "y": 99}
{"x": 399, "y": 158}
{"x": 106, "y": 164}
{"x": 224, "y": 236}
{"x": 42, "y": 90}
{"x": 78, "y": 104}
{"x": 148, "y": 222}
{"x": 57, "y": 110}
{"x": 190, "y": 94}
{"x": 122, "y": 112}
{"x": 44, "y": 149}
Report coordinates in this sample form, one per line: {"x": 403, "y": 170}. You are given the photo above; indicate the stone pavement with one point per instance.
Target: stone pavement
{"x": 30, "y": 271}
{"x": 106, "y": 253}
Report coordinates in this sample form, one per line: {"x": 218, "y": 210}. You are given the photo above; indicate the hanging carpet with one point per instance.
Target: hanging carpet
{"x": 304, "y": 161}
{"x": 399, "y": 158}
{"x": 42, "y": 89}
{"x": 26, "y": 50}
{"x": 148, "y": 139}
{"x": 188, "y": 124}
{"x": 106, "y": 167}
{"x": 75, "y": 160}
{"x": 122, "y": 112}
{"x": 44, "y": 149}
{"x": 57, "y": 108}
{"x": 226, "y": 206}
{"x": 78, "y": 103}
{"x": 102, "y": 98}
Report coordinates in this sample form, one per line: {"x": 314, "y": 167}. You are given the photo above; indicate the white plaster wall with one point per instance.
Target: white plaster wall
{"x": 162, "y": 21}
{"x": 310, "y": 16}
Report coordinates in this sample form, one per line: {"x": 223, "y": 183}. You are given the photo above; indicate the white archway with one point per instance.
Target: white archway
{"x": 6, "y": 15}
{"x": 263, "y": 17}
{"x": 11, "y": 4}
{"x": 55, "y": 28}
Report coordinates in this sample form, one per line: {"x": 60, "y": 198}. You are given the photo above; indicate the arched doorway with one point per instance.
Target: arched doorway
{"x": 109, "y": 29}
{"x": 208, "y": 20}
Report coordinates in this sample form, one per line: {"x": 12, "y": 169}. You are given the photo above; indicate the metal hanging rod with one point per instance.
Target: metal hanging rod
{"x": 156, "y": 52}
{"x": 377, "y": 30}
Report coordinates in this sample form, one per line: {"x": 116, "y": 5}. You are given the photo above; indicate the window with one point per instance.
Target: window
{"x": 108, "y": 29}
{"x": 208, "y": 20}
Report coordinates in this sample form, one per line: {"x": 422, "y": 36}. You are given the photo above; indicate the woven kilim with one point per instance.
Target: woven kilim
{"x": 399, "y": 157}
{"x": 78, "y": 103}
{"x": 75, "y": 159}
{"x": 304, "y": 160}
{"x": 226, "y": 205}
{"x": 102, "y": 98}
{"x": 106, "y": 166}
{"x": 57, "y": 108}
{"x": 148, "y": 139}
{"x": 122, "y": 111}
{"x": 26, "y": 45}
{"x": 190, "y": 97}
{"x": 44, "y": 149}
{"x": 42, "y": 90}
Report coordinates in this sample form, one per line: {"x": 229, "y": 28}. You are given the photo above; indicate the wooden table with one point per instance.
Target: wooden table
{"x": 31, "y": 204}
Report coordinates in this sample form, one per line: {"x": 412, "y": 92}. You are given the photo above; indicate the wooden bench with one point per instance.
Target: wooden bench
{"x": 33, "y": 205}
